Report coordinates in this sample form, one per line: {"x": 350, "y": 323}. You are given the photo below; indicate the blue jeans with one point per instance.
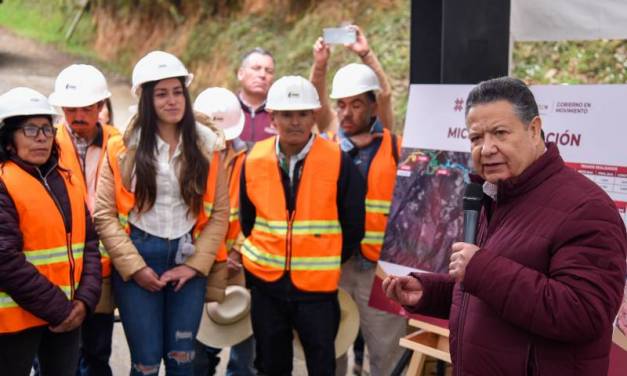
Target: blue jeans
{"x": 96, "y": 333}
{"x": 159, "y": 325}
{"x": 240, "y": 359}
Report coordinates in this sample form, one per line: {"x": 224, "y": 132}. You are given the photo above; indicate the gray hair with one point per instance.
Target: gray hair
{"x": 256, "y": 50}
{"x": 509, "y": 89}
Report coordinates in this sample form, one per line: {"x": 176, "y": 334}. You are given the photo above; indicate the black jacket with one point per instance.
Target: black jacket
{"x": 20, "y": 279}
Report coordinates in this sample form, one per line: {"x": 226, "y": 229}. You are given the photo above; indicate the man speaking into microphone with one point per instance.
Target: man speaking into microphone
{"x": 538, "y": 292}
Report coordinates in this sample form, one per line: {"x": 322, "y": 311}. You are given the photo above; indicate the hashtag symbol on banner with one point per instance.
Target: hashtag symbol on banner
{"x": 459, "y": 104}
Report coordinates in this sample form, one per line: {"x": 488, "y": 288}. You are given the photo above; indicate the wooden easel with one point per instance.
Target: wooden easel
{"x": 429, "y": 340}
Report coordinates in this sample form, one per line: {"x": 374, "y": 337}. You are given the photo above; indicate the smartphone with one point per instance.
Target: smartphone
{"x": 339, "y": 35}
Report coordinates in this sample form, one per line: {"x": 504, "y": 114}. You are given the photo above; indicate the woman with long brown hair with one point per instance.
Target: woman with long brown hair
{"x": 162, "y": 212}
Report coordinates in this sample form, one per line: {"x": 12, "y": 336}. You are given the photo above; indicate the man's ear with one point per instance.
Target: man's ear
{"x": 101, "y": 105}
{"x": 375, "y": 109}
{"x": 536, "y": 127}
{"x": 240, "y": 74}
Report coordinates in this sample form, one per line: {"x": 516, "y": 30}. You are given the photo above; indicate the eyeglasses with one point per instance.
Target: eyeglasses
{"x": 32, "y": 131}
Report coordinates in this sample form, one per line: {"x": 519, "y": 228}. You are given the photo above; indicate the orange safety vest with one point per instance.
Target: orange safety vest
{"x": 381, "y": 181}
{"x": 57, "y": 255}
{"x": 69, "y": 159}
{"x": 234, "y": 227}
{"x": 125, "y": 200}
{"x": 330, "y": 135}
{"x": 306, "y": 242}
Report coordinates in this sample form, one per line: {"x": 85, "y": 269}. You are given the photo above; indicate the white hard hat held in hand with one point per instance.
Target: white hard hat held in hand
{"x": 79, "y": 85}
{"x": 292, "y": 93}
{"x": 354, "y": 79}
{"x": 156, "y": 66}
{"x": 223, "y": 109}
{"x": 23, "y": 101}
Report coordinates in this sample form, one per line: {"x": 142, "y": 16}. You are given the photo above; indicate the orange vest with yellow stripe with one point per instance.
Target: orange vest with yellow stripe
{"x": 70, "y": 160}
{"x": 125, "y": 200}
{"x": 234, "y": 227}
{"x": 381, "y": 181}
{"x": 57, "y": 255}
{"x": 306, "y": 242}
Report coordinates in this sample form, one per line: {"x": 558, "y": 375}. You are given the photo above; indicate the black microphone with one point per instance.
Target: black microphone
{"x": 473, "y": 195}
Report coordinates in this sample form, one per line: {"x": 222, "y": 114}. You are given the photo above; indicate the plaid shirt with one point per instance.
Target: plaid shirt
{"x": 81, "y": 144}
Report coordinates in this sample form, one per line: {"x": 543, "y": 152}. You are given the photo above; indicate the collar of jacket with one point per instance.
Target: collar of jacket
{"x": 540, "y": 170}
{"x": 32, "y": 169}
{"x": 345, "y": 142}
{"x": 246, "y": 108}
{"x": 233, "y": 150}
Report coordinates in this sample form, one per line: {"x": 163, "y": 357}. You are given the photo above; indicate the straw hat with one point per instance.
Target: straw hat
{"x": 228, "y": 323}
{"x": 346, "y": 333}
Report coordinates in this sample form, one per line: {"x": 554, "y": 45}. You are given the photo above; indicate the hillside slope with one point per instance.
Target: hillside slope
{"x": 211, "y": 36}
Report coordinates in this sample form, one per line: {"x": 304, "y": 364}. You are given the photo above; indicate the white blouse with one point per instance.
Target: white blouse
{"x": 169, "y": 218}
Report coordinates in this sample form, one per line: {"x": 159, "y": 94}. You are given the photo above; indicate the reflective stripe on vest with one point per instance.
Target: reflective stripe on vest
{"x": 68, "y": 158}
{"x": 125, "y": 200}
{"x": 308, "y": 244}
{"x": 234, "y": 227}
{"x": 53, "y": 255}
{"x": 57, "y": 255}
{"x": 381, "y": 181}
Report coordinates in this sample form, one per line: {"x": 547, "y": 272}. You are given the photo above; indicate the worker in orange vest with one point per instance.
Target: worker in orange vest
{"x": 81, "y": 90}
{"x": 302, "y": 211}
{"x": 220, "y": 108}
{"x": 50, "y": 273}
{"x": 364, "y": 118}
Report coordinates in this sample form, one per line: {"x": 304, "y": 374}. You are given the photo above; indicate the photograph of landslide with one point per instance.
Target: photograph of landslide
{"x": 426, "y": 216}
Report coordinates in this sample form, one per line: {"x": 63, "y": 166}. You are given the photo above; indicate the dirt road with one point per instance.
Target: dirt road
{"x": 24, "y": 62}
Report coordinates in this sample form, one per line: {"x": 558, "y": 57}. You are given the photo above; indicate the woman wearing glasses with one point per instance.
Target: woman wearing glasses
{"x": 49, "y": 260}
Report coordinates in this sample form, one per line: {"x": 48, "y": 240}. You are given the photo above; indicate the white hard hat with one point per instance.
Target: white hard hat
{"x": 23, "y": 101}
{"x": 292, "y": 93}
{"x": 353, "y": 79}
{"x": 79, "y": 85}
{"x": 223, "y": 109}
{"x": 156, "y": 66}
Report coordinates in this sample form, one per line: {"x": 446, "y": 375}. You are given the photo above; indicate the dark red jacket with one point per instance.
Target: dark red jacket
{"x": 540, "y": 295}
{"x": 21, "y": 280}
{"x": 258, "y": 125}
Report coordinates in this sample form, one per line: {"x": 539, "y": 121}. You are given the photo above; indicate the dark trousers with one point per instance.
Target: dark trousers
{"x": 96, "y": 334}
{"x": 316, "y": 323}
{"x": 57, "y": 352}
{"x": 240, "y": 359}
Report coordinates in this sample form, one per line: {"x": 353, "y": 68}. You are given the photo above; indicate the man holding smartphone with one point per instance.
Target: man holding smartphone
{"x": 327, "y": 120}
{"x": 364, "y": 116}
